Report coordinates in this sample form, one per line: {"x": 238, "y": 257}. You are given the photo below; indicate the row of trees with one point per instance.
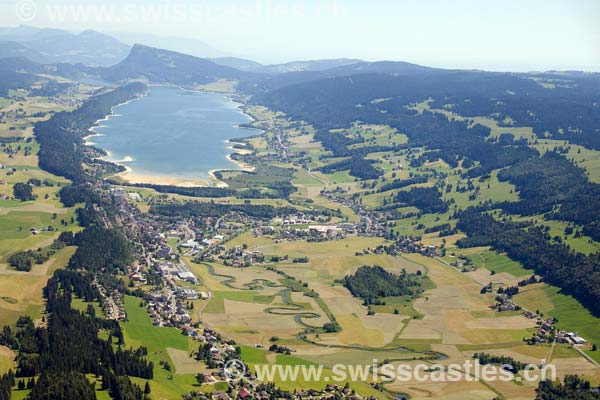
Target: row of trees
{"x": 358, "y": 167}
{"x": 507, "y": 362}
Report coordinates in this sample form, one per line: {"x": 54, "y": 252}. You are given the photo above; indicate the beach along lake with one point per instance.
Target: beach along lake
{"x": 172, "y": 133}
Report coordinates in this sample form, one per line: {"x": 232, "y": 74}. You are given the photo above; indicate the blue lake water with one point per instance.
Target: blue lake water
{"x": 173, "y": 132}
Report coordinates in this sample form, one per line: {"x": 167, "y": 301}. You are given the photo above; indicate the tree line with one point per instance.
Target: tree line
{"x": 574, "y": 273}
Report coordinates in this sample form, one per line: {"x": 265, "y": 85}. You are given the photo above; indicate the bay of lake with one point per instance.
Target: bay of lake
{"x": 173, "y": 133}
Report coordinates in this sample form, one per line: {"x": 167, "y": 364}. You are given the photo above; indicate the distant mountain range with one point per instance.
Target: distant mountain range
{"x": 57, "y": 46}
{"x": 294, "y": 66}
{"x": 192, "y": 47}
{"x": 165, "y": 66}
{"x": 36, "y": 51}
{"x": 91, "y": 48}
{"x": 11, "y": 49}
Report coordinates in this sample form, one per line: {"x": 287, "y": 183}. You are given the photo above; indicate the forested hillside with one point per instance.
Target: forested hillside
{"x": 61, "y": 137}
{"x": 549, "y": 184}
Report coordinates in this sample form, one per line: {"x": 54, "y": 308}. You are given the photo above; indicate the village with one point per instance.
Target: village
{"x": 172, "y": 285}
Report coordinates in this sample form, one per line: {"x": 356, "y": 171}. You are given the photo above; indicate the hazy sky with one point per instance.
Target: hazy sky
{"x": 486, "y": 34}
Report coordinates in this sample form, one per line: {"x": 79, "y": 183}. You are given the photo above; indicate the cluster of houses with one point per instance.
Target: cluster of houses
{"x": 412, "y": 244}
{"x": 196, "y": 241}
{"x": 463, "y": 263}
{"x": 311, "y": 233}
{"x": 112, "y": 303}
{"x": 302, "y": 227}
{"x": 239, "y": 257}
{"x": 167, "y": 309}
{"x": 137, "y": 275}
{"x": 257, "y": 391}
{"x": 216, "y": 351}
{"x": 547, "y": 332}
{"x": 505, "y": 303}
{"x": 372, "y": 224}
{"x": 250, "y": 389}
{"x": 402, "y": 245}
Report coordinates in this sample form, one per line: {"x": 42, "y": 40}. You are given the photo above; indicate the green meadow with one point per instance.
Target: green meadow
{"x": 493, "y": 261}
{"x": 138, "y": 330}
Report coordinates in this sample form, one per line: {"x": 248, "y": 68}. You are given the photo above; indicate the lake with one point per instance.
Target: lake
{"x": 173, "y": 133}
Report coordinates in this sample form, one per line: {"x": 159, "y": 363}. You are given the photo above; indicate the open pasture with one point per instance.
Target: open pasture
{"x": 162, "y": 343}
{"x": 21, "y": 292}
{"x": 448, "y": 311}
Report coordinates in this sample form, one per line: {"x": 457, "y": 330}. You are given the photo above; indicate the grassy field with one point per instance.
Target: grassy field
{"x": 263, "y": 175}
{"x": 493, "y": 261}
{"x": 21, "y": 292}
{"x": 217, "y": 302}
{"x": 221, "y": 86}
{"x": 18, "y": 218}
{"x": 139, "y": 331}
{"x": 250, "y": 240}
{"x": 403, "y": 304}
{"x": 7, "y": 357}
{"x": 373, "y": 135}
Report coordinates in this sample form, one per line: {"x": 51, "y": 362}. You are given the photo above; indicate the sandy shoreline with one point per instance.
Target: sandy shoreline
{"x": 133, "y": 177}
